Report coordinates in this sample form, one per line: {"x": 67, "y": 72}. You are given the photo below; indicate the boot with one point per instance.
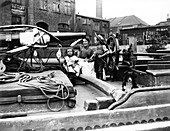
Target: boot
{"x": 97, "y": 75}
{"x": 101, "y": 76}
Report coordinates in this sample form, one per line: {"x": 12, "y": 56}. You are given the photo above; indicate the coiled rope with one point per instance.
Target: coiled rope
{"x": 10, "y": 77}
{"x": 50, "y": 87}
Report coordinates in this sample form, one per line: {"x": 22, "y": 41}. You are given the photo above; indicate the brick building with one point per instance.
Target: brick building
{"x": 92, "y": 25}
{"x": 52, "y": 15}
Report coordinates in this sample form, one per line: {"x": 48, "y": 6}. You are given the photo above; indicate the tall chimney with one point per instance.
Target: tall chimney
{"x": 168, "y": 19}
{"x": 99, "y": 8}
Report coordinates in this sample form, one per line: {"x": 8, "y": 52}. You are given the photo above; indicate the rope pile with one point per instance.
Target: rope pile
{"x": 50, "y": 87}
{"x": 9, "y": 77}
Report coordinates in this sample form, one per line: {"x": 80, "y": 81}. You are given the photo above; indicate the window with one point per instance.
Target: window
{"x": 105, "y": 25}
{"x": 16, "y": 19}
{"x": 96, "y": 26}
{"x": 17, "y": 1}
{"x": 84, "y": 21}
{"x": 44, "y": 4}
{"x": 67, "y": 7}
{"x": 56, "y": 6}
{"x": 88, "y": 21}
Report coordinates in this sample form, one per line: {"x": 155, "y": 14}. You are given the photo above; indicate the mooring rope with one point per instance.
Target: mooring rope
{"x": 10, "y": 77}
{"x": 50, "y": 85}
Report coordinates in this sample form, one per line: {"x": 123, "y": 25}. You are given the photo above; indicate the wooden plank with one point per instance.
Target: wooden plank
{"x": 148, "y": 54}
{"x": 162, "y": 72}
{"x": 91, "y": 105}
{"x": 163, "y": 51}
{"x": 104, "y": 87}
{"x": 158, "y": 66}
{"x": 104, "y": 102}
{"x": 159, "y": 62}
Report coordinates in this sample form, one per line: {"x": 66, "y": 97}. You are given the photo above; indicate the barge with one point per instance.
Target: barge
{"x": 44, "y": 99}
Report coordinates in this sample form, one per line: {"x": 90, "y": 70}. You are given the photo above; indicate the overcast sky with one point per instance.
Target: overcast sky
{"x": 150, "y": 11}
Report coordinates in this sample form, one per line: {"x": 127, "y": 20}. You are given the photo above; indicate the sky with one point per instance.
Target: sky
{"x": 150, "y": 11}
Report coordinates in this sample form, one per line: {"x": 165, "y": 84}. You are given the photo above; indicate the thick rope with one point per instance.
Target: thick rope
{"x": 49, "y": 85}
{"x": 10, "y": 77}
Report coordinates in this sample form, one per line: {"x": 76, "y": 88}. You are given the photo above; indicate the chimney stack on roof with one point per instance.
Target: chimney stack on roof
{"x": 99, "y": 8}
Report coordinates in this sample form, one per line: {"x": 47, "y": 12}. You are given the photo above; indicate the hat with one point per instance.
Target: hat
{"x": 110, "y": 38}
{"x": 112, "y": 35}
{"x": 100, "y": 38}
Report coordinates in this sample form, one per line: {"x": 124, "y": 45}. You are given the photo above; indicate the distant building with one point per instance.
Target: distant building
{"x": 125, "y": 22}
{"x": 145, "y": 35}
{"x": 13, "y": 12}
{"x": 92, "y": 25}
{"x": 51, "y": 15}
{"x": 164, "y": 22}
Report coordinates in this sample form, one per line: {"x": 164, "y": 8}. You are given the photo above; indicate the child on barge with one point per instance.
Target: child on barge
{"x": 71, "y": 62}
{"x": 99, "y": 57}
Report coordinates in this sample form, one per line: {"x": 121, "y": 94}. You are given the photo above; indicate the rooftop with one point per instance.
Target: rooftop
{"x": 126, "y": 21}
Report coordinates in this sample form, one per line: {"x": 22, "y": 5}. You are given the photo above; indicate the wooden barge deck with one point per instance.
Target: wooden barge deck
{"x": 141, "y": 106}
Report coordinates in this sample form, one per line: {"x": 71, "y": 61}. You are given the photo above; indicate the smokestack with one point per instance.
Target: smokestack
{"x": 168, "y": 19}
{"x": 99, "y": 8}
